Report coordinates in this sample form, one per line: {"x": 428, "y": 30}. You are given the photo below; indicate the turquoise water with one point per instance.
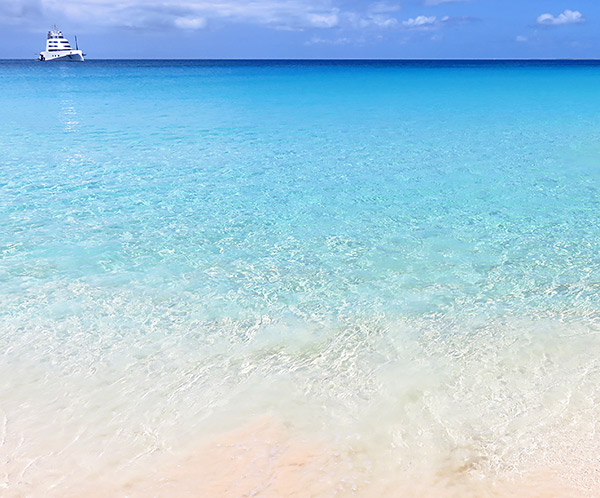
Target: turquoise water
{"x": 408, "y": 252}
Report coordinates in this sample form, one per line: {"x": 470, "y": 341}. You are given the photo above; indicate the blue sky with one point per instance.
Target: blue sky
{"x": 307, "y": 28}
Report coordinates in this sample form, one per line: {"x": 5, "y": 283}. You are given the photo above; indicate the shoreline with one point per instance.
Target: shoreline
{"x": 441, "y": 416}
{"x": 266, "y": 458}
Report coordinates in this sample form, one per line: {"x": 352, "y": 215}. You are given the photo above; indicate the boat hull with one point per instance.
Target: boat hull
{"x": 66, "y": 55}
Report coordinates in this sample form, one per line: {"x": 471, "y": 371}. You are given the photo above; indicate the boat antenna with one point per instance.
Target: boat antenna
{"x": 76, "y": 44}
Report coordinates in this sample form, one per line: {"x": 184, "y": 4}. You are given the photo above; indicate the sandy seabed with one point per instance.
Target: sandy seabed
{"x": 268, "y": 459}
{"x": 515, "y": 417}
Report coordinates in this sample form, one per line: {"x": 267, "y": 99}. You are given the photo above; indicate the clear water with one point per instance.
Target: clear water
{"x": 400, "y": 260}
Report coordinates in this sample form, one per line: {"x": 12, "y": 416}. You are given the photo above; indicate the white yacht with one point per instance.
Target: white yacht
{"x": 58, "y": 48}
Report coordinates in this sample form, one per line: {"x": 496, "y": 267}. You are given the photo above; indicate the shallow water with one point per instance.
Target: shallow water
{"x": 313, "y": 278}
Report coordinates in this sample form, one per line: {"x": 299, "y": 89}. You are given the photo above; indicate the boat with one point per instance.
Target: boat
{"x": 58, "y": 48}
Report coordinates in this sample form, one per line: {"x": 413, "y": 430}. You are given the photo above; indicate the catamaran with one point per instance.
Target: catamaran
{"x": 58, "y": 48}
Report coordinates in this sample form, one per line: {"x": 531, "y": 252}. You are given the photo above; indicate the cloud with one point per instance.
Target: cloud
{"x": 425, "y": 23}
{"x": 14, "y": 10}
{"x": 316, "y": 40}
{"x": 379, "y": 21}
{"x": 298, "y": 15}
{"x": 419, "y": 21}
{"x": 190, "y": 23}
{"x": 567, "y": 17}
{"x": 383, "y": 7}
{"x": 323, "y": 20}
{"x": 179, "y": 14}
{"x": 438, "y": 2}
{"x": 374, "y": 17}
{"x": 521, "y": 38}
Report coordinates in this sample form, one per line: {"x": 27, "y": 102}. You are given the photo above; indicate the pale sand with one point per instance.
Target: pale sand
{"x": 267, "y": 459}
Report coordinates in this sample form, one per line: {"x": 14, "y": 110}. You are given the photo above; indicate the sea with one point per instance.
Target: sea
{"x": 300, "y": 278}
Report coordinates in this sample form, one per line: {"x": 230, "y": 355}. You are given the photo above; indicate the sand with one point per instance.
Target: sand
{"x": 266, "y": 458}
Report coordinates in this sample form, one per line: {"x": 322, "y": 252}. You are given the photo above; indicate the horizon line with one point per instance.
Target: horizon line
{"x": 260, "y": 59}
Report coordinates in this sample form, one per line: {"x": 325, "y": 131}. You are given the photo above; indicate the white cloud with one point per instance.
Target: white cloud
{"x": 372, "y": 16}
{"x": 323, "y": 20}
{"x": 419, "y": 21}
{"x": 190, "y": 23}
{"x": 20, "y": 8}
{"x": 316, "y": 40}
{"x": 426, "y": 23}
{"x": 379, "y": 21}
{"x": 438, "y": 2}
{"x": 187, "y": 14}
{"x": 383, "y": 7}
{"x": 521, "y": 38}
{"x": 567, "y": 17}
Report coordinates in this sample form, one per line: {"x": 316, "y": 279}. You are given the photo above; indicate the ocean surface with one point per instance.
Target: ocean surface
{"x": 299, "y": 278}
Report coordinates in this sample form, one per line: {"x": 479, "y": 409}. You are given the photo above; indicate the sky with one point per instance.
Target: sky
{"x": 313, "y": 29}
